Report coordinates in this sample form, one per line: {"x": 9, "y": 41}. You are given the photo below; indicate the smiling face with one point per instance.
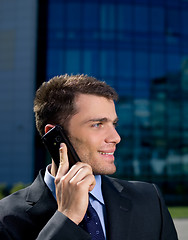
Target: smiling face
{"x": 93, "y": 134}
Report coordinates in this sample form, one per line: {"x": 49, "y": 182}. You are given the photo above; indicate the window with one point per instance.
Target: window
{"x": 91, "y": 62}
{"x": 107, "y": 16}
{"x": 90, "y": 16}
{"x": 173, "y": 62}
{"x": 157, "y": 19}
{"x": 56, "y": 15}
{"x": 125, "y": 63}
{"x": 72, "y": 62}
{"x": 73, "y": 16}
{"x": 107, "y": 63}
{"x": 55, "y": 62}
{"x": 184, "y": 15}
{"x": 124, "y": 17}
{"x": 141, "y": 67}
{"x": 173, "y": 22}
{"x": 157, "y": 65}
{"x": 141, "y": 21}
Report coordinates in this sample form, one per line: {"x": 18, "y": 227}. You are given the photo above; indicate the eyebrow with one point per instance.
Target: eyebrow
{"x": 102, "y": 120}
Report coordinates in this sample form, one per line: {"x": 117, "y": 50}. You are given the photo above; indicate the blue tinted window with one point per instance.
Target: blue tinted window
{"x": 173, "y": 62}
{"x": 107, "y": 16}
{"x": 55, "y": 62}
{"x": 73, "y": 15}
{"x": 173, "y": 21}
{"x": 72, "y": 61}
{"x": 90, "y": 16}
{"x": 55, "y": 15}
{"x": 184, "y": 20}
{"x": 141, "y": 67}
{"x": 124, "y": 17}
{"x": 141, "y": 20}
{"x": 184, "y": 46}
{"x": 157, "y": 19}
{"x": 125, "y": 87}
{"x": 174, "y": 3}
{"x": 141, "y": 89}
{"x": 157, "y": 65}
{"x": 107, "y": 63}
{"x": 185, "y": 118}
{"x": 174, "y": 114}
{"x": 157, "y": 42}
{"x": 124, "y": 63}
{"x": 55, "y": 38}
{"x": 125, "y": 114}
{"x": 91, "y": 62}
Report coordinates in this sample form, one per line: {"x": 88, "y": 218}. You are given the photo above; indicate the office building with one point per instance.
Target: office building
{"x": 140, "y": 48}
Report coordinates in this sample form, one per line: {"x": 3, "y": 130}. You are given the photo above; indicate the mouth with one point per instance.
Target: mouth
{"x": 107, "y": 153}
{"x": 108, "y": 156}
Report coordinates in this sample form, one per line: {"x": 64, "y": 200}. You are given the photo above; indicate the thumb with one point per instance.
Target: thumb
{"x": 64, "y": 162}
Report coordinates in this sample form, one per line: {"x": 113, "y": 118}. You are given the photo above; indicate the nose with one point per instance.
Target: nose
{"x": 113, "y": 136}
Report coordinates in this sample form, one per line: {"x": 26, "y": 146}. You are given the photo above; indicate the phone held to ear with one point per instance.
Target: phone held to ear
{"x": 52, "y": 140}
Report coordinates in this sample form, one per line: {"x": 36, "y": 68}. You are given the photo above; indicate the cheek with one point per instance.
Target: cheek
{"x": 86, "y": 145}
{"x": 89, "y": 140}
{"x": 87, "y": 149}
{"x": 82, "y": 146}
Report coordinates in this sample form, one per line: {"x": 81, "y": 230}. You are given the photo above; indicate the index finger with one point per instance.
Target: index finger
{"x": 64, "y": 162}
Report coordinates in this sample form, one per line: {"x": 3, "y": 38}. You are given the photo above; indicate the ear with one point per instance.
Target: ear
{"x": 48, "y": 127}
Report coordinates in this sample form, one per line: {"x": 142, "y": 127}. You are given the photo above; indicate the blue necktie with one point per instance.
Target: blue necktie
{"x": 91, "y": 223}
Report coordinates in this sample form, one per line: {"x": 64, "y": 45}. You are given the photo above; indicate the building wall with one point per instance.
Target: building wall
{"x": 140, "y": 48}
{"x": 18, "y": 21}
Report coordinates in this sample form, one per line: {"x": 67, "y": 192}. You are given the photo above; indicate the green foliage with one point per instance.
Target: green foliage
{"x": 17, "y": 186}
{"x": 179, "y": 211}
{"x": 3, "y": 190}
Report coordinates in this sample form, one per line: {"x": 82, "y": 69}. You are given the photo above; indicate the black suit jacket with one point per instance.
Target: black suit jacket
{"x": 135, "y": 211}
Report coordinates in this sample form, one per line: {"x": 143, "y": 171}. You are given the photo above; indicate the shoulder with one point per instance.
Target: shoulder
{"x": 135, "y": 186}
{"x": 133, "y": 189}
{"x": 14, "y": 200}
{"x": 27, "y": 210}
{"x": 22, "y": 199}
{"x": 13, "y": 213}
{"x": 142, "y": 196}
{"x": 145, "y": 204}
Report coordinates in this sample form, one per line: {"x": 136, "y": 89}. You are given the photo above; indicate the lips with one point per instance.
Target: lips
{"x": 106, "y": 153}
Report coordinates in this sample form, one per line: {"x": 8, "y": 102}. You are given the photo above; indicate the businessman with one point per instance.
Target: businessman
{"x": 79, "y": 201}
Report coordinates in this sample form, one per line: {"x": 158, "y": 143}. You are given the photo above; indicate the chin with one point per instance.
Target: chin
{"x": 105, "y": 171}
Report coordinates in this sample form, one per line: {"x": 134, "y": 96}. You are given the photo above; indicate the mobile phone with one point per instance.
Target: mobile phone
{"x": 52, "y": 140}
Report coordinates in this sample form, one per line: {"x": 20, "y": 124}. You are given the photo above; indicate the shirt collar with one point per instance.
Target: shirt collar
{"x": 49, "y": 180}
{"x": 96, "y": 192}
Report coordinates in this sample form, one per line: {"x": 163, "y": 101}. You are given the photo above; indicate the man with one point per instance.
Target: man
{"x": 54, "y": 206}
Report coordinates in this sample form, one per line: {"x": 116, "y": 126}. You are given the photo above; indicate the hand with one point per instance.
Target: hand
{"x": 72, "y": 187}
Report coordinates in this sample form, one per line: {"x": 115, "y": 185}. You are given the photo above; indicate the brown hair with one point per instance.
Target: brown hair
{"x": 54, "y": 100}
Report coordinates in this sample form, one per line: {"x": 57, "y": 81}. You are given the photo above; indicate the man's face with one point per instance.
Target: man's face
{"x": 93, "y": 134}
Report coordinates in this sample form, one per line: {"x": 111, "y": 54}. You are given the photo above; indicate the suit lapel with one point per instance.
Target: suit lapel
{"x": 118, "y": 209}
{"x": 41, "y": 201}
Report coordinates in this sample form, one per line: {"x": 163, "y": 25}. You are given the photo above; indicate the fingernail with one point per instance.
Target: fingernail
{"x": 62, "y": 145}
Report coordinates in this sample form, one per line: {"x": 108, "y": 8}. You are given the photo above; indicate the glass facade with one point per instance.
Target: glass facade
{"x": 140, "y": 48}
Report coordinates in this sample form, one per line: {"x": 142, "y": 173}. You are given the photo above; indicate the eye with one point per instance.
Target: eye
{"x": 97, "y": 125}
{"x": 115, "y": 124}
